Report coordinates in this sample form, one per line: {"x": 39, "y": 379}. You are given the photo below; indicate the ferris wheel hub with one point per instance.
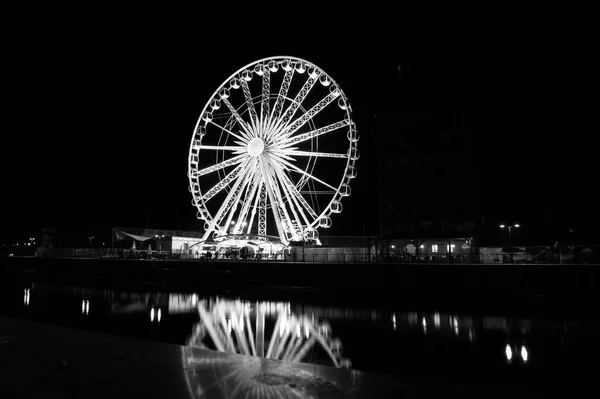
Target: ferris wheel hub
{"x": 256, "y": 147}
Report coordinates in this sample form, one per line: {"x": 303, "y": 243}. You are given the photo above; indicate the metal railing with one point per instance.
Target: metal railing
{"x": 579, "y": 255}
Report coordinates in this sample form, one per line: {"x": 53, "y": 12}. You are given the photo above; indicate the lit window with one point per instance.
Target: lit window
{"x": 434, "y": 248}
{"x": 450, "y": 248}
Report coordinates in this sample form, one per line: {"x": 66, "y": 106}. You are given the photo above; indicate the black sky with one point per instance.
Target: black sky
{"x": 101, "y": 114}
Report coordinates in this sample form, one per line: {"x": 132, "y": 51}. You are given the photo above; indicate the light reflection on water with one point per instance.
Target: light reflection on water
{"x": 264, "y": 329}
{"x": 303, "y": 332}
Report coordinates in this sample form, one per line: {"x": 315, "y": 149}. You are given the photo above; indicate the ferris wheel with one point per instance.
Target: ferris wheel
{"x": 273, "y": 153}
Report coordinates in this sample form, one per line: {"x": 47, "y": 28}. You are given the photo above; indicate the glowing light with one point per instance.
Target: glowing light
{"x": 502, "y": 226}
{"x": 516, "y": 225}
{"x": 524, "y": 354}
{"x": 229, "y": 326}
{"x": 194, "y": 299}
{"x": 158, "y": 316}
{"x": 394, "y": 320}
{"x": 508, "y": 353}
{"x": 436, "y": 320}
{"x": 87, "y": 307}
{"x": 306, "y": 331}
{"x": 298, "y": 330}
{"x": 26, "y": 298}
{"x": 256, "y": 147}
{"x": 152, "y": 314}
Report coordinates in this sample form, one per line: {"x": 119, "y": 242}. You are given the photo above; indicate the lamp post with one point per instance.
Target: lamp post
{"x": 509, "y": 232}
{"x": 158, "y": 237}
{"x": 91, "y": 238}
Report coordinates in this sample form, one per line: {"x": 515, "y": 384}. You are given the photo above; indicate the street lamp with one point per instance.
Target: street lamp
{"x": 158, "y": 246}
{"x": 509, "y": 232}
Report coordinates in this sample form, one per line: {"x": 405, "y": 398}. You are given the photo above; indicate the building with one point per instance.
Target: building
{"x": 426, "y": 181}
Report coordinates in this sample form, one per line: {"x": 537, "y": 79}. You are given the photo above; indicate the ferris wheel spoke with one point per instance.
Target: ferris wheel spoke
{"x": 297, "y": 357}
{"x": 262, "y": 209}
{"x": 291, "y": 110}
{"x": 277, "y": 205}
{"x": 230, "y": 162}
{"x": 238, "y": 195}
{"x": 242, "y": 138}
{"x": 243, "y": 124}
{"x": 275, "y": 334}
{"x": 308, "y": 115}
{"x": 264, "y": 105}
{"x": 250, "y": 333}
{"x": 277, "y": 189}
{"x": 300, "y": 199}
{"x": 297, "y": 169}
{"x": 225, "y": 205}
{"x": 222, "y": 184}
{"x": 250, "y": 194}
{"x": 207, "y": 320}
{"x": 292, "y": 200}
{"x": 223, "y": 147}
{"x": 255, "y": 207}
{"x": 310, "y": 192}
{"x": 284, "y": 143}
{"x": 314, "y": 154}
{"x": 250, "y": 105}
{"x": 271, "y": 196}
{"x": 283, "y": 90}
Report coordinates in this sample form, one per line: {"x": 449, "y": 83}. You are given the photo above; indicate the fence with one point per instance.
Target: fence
{"x": 535, "y": 255}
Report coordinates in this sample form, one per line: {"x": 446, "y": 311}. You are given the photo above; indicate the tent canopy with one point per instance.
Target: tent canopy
{"x": 121, "y": 235}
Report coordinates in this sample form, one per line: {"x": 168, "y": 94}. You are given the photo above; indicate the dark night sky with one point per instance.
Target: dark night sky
{"x": 101, "y": 112}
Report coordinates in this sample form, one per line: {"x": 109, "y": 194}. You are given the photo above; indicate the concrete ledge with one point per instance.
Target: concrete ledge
{"x": 46, "y": 361}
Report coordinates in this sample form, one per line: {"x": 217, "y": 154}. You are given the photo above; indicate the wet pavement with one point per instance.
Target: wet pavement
{"x": 47, "y": 361}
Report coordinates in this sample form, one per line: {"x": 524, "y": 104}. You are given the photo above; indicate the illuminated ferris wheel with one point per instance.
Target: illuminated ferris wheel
{"x": 273, "y": 153}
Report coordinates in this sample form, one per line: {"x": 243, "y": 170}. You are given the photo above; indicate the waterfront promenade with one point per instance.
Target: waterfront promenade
{"x": 472, "y": 284}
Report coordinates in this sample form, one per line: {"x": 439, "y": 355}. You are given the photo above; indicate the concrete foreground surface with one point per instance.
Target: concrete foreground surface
{"x": 47, "y": 361}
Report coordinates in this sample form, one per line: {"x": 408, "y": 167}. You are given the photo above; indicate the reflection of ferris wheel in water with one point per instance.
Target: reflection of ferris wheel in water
{"x": 241, "y": 327}
{"x": 273, "y": 153}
